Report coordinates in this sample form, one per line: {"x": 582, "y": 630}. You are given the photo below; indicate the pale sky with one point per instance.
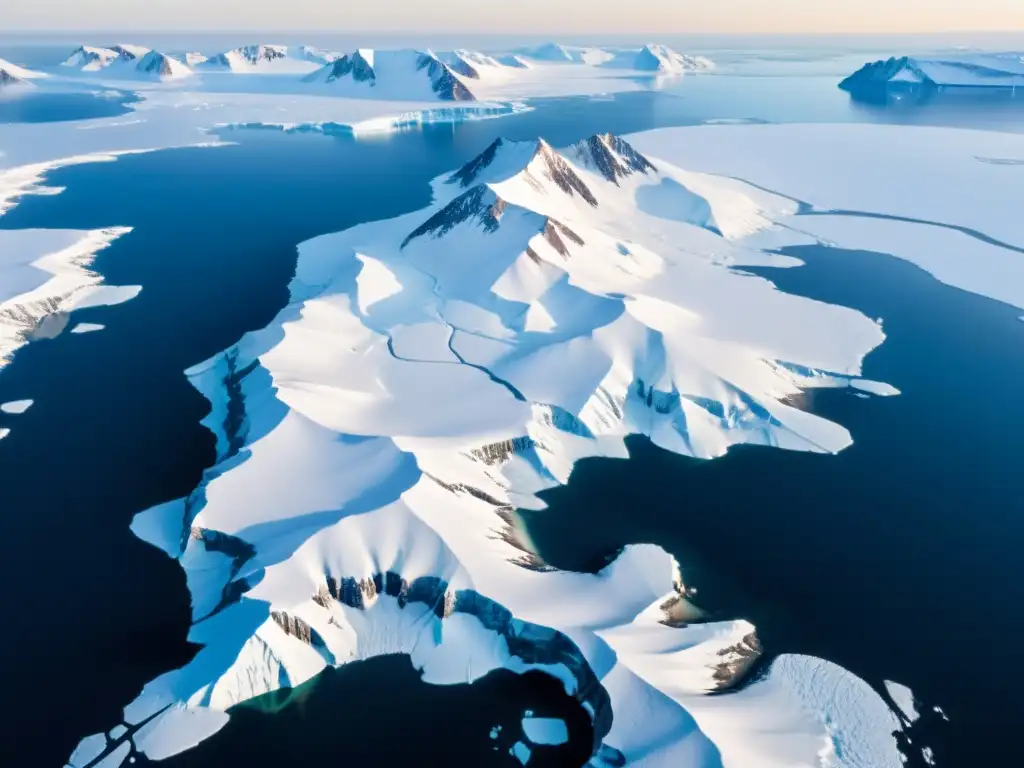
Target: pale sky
{"x": 520, "y": 16}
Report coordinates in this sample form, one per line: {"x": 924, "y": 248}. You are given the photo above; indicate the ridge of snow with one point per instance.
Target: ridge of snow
{"x": 314, "y": 54}
{"x": 433, "y": 372}
{"x": 129, "y": 52}
{"x": 264, "y": 59}
{"x": 564, "y": 54}
{"x": 91, "y": 59}
{"x": 16, "y": 73}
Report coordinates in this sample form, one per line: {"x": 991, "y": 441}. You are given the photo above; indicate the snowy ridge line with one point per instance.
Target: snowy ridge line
{"x": 45, "y": 275}
{"x": 436, "y": 371}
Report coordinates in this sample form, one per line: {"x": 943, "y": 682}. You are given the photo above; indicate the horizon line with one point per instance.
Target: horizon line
{"x": 565, "y": 33}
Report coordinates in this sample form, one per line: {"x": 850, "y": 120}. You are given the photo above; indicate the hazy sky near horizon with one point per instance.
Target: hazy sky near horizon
{"x": 522, "y": 16}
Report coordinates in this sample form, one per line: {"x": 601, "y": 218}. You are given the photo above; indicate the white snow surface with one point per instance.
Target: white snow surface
{"x": 44, "y": 276}
{"x": 956, "y": 189}
{"x": 433, "y": 371}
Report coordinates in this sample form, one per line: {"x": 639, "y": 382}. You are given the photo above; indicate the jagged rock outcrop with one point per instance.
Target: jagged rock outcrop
{"x": 352, "y": 65}
{"x": 612, "y": 157}
{"x": 7, "y": 79}
{"x": 480, "y": 203}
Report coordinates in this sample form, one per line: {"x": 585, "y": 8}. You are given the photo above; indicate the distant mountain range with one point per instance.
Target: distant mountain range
{"x": 397, "y": 74}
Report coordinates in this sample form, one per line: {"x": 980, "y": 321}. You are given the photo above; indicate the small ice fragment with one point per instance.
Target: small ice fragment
{"x": 88, "y": 748}
{"x": 16, "y": 406}
{"x": 903, "y": 697}
{"x": 116, "y": 758}
{"x": 4, "y": 433}
{"x": 118, "y": 732}
{"x": 87, "y": 327}
{"x": 874, "y": 387}
{"x": 549, "y": 731}
{"x": 495, "y": 732}
{"x": 521, "y": 752}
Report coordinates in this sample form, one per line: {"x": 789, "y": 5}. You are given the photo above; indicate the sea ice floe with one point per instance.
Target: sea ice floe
{"x": 46, "y": 275}
{"x": 545, "y": 730}
{"x": 16, "y": 406}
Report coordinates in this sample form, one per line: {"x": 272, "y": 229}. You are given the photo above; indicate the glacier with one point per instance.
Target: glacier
{"x": 432, "y": 373}
{"x": 957, "y": 71}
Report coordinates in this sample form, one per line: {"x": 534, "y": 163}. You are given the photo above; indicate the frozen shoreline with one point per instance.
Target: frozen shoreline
{"x": 384, "y": 491}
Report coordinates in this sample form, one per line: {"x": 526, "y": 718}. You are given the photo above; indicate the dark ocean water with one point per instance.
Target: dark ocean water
{"x": 38, "y": 106}
{"x": 893, "y": 559}
{"x": 897, "y": 558}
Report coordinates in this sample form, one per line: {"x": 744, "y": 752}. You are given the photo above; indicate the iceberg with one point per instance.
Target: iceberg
{"x": 15, "y": 407}
{"x": 389, "y": 124}
{"x": 957, "y": 72}
{"x": 433, "y": 372}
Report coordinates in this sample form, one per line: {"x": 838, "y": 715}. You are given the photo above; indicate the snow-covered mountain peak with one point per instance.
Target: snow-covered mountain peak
{"x": 484, "y": 211}
{"x": 446, "y": 83}
{"x": 356, "y": 66}
{"x": 7, "y": 79}
{"x": 316, "y": 55}
{"x": 129, "y": 52}
{"x": 91, "y": 59}
{"x": 555, "y": 53}
{"x": 538, "y": 163}
{"x": 255, "y": 54}
{"x": 611, "y": 156}
{"x": 401, "y": 74}
{"x": 162, "y": 67}
{"x": 12, "y": 74}
{"x": 480, "y": 203}
{"x": 660, "y": 58}
{"x": 248, "y": 58}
